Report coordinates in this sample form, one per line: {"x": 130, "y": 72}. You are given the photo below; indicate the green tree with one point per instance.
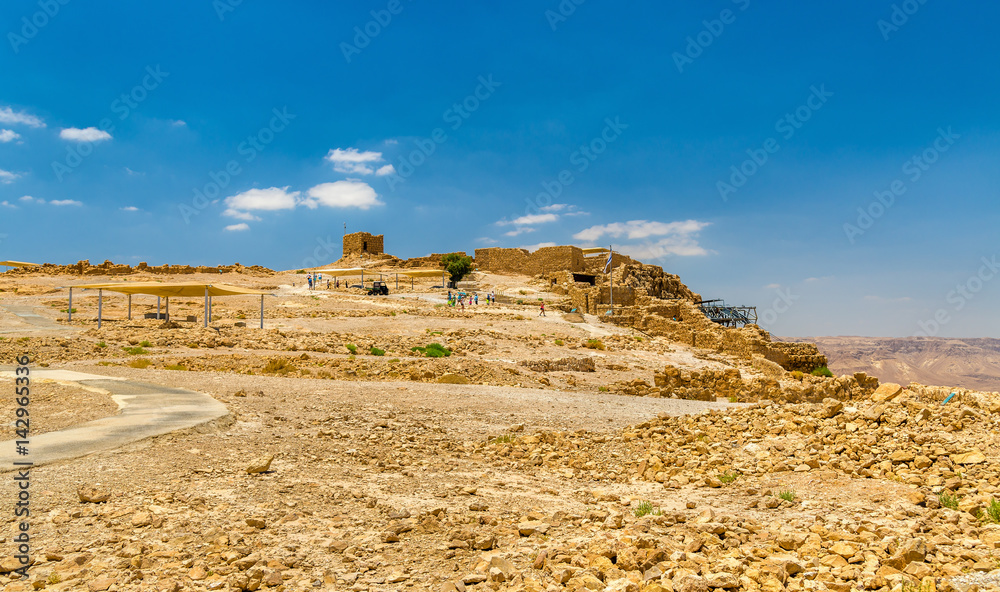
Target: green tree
{"x": 458, "y": 266}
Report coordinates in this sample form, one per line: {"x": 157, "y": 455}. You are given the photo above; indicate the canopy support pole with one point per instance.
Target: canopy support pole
{"x": 397, "y": 281}
{"x": 157, "y": 308}
{"x": 130, "y": 307}
{"x": 100, "y": 304}
{"x": 69, "y": 309}
{"x": 261, "y": 311}
{"x": 206, "y": 307}
{"x": 168, "y": 307}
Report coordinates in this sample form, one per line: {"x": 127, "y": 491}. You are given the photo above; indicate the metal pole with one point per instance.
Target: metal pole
{"x": 130, "y": 307}
{"x": 100, "y": 304}
{"x": 157, "y": 308}
{"x": 210, "y": 307}
{"x": 206, "y": 306}
{"x": 168, "y": 307}
{"x": 611, "y": 262}
{"x": 397, "y": 281}
{"x": 261, "y": 311}
{"x": 70, "y": 308}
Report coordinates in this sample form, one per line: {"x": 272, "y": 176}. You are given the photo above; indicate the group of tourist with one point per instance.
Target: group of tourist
{"x": 461, "y": 299}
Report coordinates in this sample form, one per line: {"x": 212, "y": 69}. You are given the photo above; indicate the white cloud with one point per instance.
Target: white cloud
{"x": 7, "y": 204}
{"x": 554, "y": 207}
{"x": 530, "y": 219}
{"x": 675, "y": 238}
{"x": 7, "y": 135}
{"x": 240, "y": 215}
{"x": 537, "y": 246}
{"x": 385, "y": 170}
{"x": 132, "y": 173}
{"x": 130, "y": 209}
{"x": 178, "y": 123}
{"x": 29, "y": 199}
{"x": 487, "y": 240}
{"x": 637, "y": 229}
{"x": 238, "y": 227}
{"x": 521, "y": 230}
{"x": 7, "y": 115}
{"x": 271, "y": 199}
{"x": 7, "y": 177}
{"x": 89, "y": 134}
{"x": 352, "y": 161}
{"x": 64, "y": 202}
{"x": 343, "y": 194}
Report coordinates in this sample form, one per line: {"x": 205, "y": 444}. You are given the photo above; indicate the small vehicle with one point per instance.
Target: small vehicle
{"x": 379, "y": 289}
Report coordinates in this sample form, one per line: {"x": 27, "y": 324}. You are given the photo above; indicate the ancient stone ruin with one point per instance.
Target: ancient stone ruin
{"x": 363, "y": 243}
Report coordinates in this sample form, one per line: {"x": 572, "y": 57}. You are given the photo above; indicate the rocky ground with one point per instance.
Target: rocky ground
{"x": 540, "y": 454}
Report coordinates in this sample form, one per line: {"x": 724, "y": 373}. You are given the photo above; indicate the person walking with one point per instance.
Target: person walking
{"x": 477, "y": 298}
{"x": 309, "y": 279}
{"x": 541, "y": 311}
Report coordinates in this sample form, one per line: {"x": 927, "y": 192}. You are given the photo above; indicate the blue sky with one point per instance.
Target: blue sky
{"x": 732, "y": 142}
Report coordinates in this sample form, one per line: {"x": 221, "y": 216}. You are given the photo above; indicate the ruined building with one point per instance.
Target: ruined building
{"x": 363, "y": 243}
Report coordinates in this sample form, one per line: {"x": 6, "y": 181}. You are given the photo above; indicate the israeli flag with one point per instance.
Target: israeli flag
{"x": 607, "y": 266}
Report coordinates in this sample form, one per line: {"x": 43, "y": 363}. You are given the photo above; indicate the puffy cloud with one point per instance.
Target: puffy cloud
{"x": 89, "y": 134}
{"x": 353, "y": 161}
{"x": 343, "y": 194}
{"x": 535, "y": 247}
{"x": 8, "y": 116}
{"x": 7, "y": 135}
{"x": 65, "y": 202}
{"x": 521, "y": 230}
{"x": 7, "y": 177}
{"x": 676, "y": 238}
{"x": 130, "y": 209}
{"x": 178, "y": 123}
{"x": 530, "y": 219}
{"x": 385, "y": 170}
{"x": 636, "y": 229}
{"x": 240, "y": 215}
{"x": 271, "y": 199}
{"x": 29, "y": 199}
{"x": 7, "y": 204}
{"x": 238, "y": 227}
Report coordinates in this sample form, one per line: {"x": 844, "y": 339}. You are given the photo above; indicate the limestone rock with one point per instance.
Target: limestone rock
{"x": 93, "y": 493}
{"x": 260, "y": 465}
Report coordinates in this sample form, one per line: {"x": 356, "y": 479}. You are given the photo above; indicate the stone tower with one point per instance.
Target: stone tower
{"x": 363, "y": 243}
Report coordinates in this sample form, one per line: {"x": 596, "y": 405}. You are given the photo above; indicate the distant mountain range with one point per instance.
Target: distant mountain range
{"x": 940, "y": 361}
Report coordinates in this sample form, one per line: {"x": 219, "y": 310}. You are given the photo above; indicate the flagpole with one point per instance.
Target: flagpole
{"x": 611, "y": 270}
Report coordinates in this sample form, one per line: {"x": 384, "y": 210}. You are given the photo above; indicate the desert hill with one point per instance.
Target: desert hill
{"x": 973, "y": 362}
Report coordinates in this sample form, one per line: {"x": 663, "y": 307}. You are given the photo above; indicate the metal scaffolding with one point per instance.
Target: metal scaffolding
{"x": 719, "y": 312}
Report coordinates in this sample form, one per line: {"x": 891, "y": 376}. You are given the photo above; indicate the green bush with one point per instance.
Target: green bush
{"x": 433, "y": 350}
{"x": 351, "y": 348}
{"x": 948, "y": 500}
{"x": 376, "y": 351}
{"x": 645, "y": 508}
{"x": 595, "y": 344}
{"x": 457, "y": 265}
{"x": 145, "y": 343}
{"x": 100, "y": 344}
{"x": 135, "y": 351}
{"x": 822, "y": 371}
{"x": 993, "y": 511}
{"x": 787, "y": 494}
{"x": 174, "y": 367}
{"x": 140, "y": 363}
{"x": 729, "y": 476}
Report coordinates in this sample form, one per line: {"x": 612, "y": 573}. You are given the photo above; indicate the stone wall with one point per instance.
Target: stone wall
{"x": 109, "y": 268}
{"x": 542, "y": 261}
{"x": 358, "y": 243}
{"x": 432, "y": 260}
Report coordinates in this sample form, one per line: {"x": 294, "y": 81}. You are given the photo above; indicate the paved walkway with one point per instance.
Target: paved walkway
{"x": 35, "y": 322}
{"x": 145, "y": 410}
